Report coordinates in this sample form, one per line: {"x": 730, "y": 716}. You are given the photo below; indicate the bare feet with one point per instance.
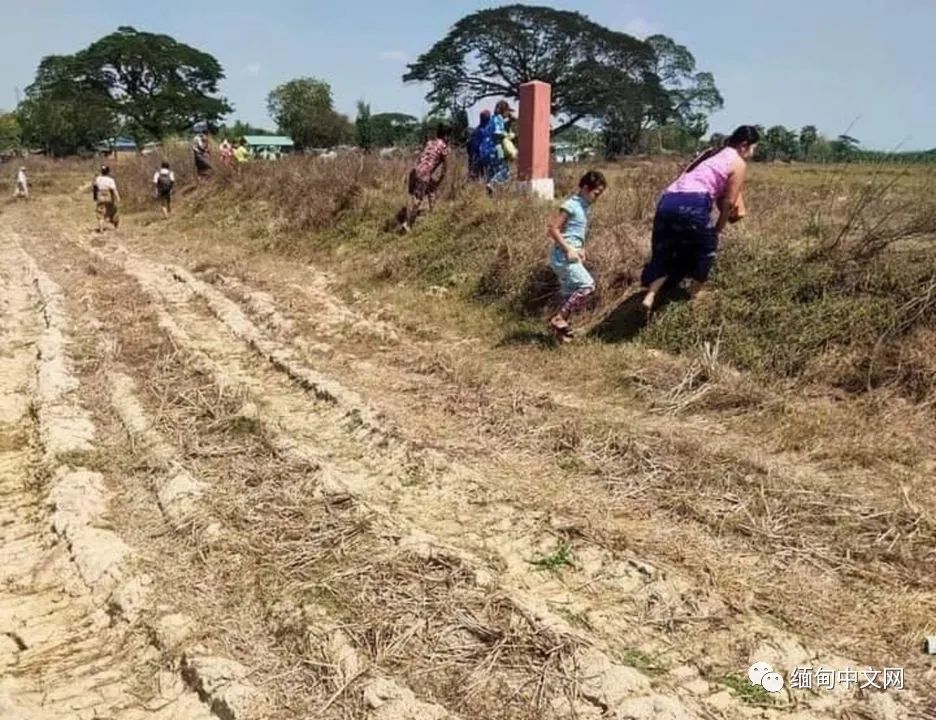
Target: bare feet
{"x": 647, "y": 303}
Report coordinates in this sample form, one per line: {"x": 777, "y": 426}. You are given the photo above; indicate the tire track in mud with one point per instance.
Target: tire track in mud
{"x": 288, "y": 435}
{"x": 790, "y": 651}
{"x": 380, "y": 696}
{"x": 62, "y": 655}
{"x": 202, "y": 361}
{"x": 181, "y": 496}
{"x": 782, "y": 648}
{"x": 424, "y": 547}
{"x": 308, "y": 431}
{"x": 340, "y": 408}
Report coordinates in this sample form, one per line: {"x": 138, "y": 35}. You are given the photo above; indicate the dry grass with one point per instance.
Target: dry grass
{"x": 713, "y": 508}
{"x": 842, "y": 556}
{"x": 302, "y": 565}
{"x": 830, "y": 275}
{"x": 296, "y": 566}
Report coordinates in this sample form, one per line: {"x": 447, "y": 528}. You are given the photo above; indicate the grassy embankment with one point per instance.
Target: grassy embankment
{"x": 830, "y": 280}
{"x": 814, "y": 344}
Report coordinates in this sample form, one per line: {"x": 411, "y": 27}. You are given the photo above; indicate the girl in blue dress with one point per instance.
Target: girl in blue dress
{"x": 567, "y": 230}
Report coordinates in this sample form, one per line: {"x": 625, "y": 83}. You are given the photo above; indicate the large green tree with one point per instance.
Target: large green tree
{"x": 239, "y": 129}
{"x": 808, "y": 136}
{"x": 303, "y": 109}
{"x": 157, "y": 84}
{"x": 627, "y": 105}
{"x": 149, "y": 85}
{"x": 844, "y": 148}
{"x": 490, "y": 53}
{"x": 364, "y": 134}
{"x": 779, "y": 143}
{"x": 692, "y": 95}
{"x": 66, "y": 109}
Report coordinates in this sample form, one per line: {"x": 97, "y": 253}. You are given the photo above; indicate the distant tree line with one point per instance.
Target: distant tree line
{"x": 779, "y": 143}
{"x": 611, "y": 92}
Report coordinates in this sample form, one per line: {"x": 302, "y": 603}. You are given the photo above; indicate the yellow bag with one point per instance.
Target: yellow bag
{"x": 510, "y": 150}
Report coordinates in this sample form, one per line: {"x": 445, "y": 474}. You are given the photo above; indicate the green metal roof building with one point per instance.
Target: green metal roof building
{"x": 259, "y": 142}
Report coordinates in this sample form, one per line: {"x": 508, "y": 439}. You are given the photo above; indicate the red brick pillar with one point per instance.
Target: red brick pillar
{"x": 533, "y": 153}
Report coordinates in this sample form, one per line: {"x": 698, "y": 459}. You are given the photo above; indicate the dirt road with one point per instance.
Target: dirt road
{"x": 204, "y": 517}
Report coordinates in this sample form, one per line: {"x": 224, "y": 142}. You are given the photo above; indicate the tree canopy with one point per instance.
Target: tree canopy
{"x": 364, "y": 134}
{"x": 303, "y": 109}
{"x": 490, "y": 53}
{"x": 10, "y": 132}
{"x": 147, "y": 85}
{"x": 622, "y": 83}
{"x": 66, "y": 109}
{"x": 779, "y": 143}
{"x": 395, "y": 129}
{"x": 691, "y": 95}
{"x": 157, "y": 84}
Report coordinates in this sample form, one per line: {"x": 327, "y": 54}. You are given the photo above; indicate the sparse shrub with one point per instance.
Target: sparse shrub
{"x": 783, "y": 312}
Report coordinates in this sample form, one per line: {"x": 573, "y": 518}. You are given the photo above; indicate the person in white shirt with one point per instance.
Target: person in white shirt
{"x": 106, "y": 198}
{"x": 164, "y": 182}
{"x": 22, "y": 185}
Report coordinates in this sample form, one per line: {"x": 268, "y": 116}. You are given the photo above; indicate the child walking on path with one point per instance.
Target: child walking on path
{"x": 22, "y": 185}
{"x": 567, "y": 230}
{"x": 106, "y": 198}
{"x": 685, "y": 241}
{"x": 164, "y": 182}
{"x": 422, "y": 182}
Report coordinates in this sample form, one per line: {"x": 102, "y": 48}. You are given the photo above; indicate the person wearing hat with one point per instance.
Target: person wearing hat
{"x": 106, "y": 197}
{"x": 22, "y": 185}
{"x": 499, "y": 171}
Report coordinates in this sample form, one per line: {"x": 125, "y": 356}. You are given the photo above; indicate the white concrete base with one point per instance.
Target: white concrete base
{"x": 542, "y": 188}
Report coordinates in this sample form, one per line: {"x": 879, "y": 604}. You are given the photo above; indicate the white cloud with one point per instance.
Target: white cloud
{"x": 394, "y": 56}
{"x": 641, "y": 27}
{"x": 252, "y": 69}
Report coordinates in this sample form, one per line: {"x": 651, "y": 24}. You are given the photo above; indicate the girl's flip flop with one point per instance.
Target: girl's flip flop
{"x": 562, "y": 332}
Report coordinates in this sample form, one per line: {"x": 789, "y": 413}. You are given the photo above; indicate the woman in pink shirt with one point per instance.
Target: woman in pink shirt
{"x": 685, "y": 240}
{"x": 422, "y": 182}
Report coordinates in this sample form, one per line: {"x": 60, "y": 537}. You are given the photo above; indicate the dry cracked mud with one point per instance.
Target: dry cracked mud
{"x": 204, "y": 517}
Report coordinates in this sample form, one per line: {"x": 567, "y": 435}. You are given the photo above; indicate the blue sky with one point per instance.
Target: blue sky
{"x": 822, "y": 62}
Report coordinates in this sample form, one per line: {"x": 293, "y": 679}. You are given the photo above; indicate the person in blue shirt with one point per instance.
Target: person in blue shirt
{"x": 567, "y": 230}
{"x": 480, "y": 147}
{"x": 498, "y": 169}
